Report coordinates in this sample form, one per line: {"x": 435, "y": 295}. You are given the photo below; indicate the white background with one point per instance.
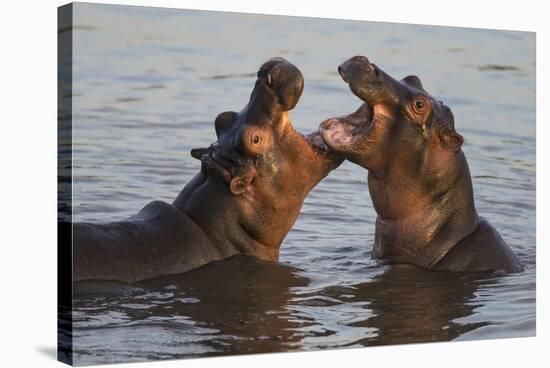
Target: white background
{"x": 28, "y": 82}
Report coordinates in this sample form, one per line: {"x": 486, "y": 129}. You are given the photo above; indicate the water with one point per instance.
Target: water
{"x": 147, "y": 86}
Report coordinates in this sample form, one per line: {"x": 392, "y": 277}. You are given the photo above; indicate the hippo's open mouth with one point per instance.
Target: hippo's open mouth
{"x": 338, "y": 133}
{"x": 376, "y": 89}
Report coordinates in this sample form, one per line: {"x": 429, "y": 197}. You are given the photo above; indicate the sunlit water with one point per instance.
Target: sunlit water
{"x": 147, "y": 86}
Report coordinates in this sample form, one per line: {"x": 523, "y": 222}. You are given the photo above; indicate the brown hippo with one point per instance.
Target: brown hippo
{"x": 418, "y": 178}
{"x": 247, "y": 196}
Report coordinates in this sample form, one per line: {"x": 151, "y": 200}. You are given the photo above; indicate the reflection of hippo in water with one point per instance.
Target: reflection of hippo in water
{"x": 247, "y": 196}
{"x": 246, "y": 312}
{"x": 428, "y": 311}
{"x": 419, "y": 179}
{"x": 248, "y": 308}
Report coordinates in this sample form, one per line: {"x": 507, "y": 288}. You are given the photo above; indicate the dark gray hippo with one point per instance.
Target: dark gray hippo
{"x": 418, "y": 177}
{"x": 245, "y": 199}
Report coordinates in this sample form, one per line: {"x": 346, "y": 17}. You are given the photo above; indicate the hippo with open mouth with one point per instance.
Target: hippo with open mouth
{"x": 419, "y": 180}
{"x": 245, "y": 199}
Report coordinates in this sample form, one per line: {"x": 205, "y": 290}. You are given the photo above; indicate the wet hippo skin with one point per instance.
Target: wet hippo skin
{"x": 246, "y": 197}
{"x": 418, "y": 179}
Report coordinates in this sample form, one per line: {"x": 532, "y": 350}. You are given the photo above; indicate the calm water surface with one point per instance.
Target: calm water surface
{"x": 148, "y": 84}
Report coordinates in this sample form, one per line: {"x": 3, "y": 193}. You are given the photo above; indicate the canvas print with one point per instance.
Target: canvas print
{"x": 240, "y": 183}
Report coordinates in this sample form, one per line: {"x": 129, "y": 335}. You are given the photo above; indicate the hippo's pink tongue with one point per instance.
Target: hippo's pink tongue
{"x": 337, "y": 131}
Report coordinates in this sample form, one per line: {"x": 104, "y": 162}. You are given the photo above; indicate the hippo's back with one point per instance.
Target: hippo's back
{"x": 159, "y": 240}
{"x": 483, "y": 250}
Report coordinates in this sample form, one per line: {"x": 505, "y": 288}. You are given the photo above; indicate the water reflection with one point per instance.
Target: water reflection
{"x": 236, "y": 306}
{"x": 242, "y": 305}
{"x": 413, "y": 305}
{"x": 242, "y": 298}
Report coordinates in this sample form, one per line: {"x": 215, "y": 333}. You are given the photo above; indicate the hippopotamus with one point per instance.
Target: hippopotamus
{"x": 418, "y": 176}
{"x": 249, "y": 191}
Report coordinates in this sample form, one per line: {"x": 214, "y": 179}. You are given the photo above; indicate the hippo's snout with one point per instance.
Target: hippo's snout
{"x": 284, "y": 79}
{"x": 358, "y": 66}
{"x": 368, "y": 82}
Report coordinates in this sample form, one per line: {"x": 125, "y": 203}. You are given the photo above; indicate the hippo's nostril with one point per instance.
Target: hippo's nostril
{"x": 342, "y": 73}
{"x": 376, "y": 70}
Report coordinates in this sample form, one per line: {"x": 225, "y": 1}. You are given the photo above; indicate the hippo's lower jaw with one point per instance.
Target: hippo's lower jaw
{"x": 317, "y": 141}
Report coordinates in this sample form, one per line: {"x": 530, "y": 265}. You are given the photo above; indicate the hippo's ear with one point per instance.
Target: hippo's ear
{"x": 285, "y": 80}
{"x": 450, "y": 138}
{"x": 239, "y": 184}
{"x": 198, "y": 152}
{"x": 413, "y": 80}
{"x": 223, "y": 121}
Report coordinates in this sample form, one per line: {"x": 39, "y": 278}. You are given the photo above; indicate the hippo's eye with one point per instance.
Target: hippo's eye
{"x": 256, "y": 139}
{"x": 420, "y": 105}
